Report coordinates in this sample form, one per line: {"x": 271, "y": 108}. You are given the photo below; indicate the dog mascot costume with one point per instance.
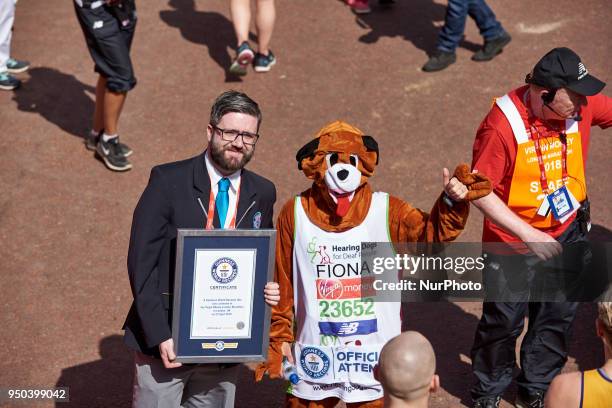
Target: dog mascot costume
{"x": 337, "y": 333}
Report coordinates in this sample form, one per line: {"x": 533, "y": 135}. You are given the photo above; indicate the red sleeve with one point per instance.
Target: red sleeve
{"x": 490, "y": 154}
{"x": 602, "y": 110}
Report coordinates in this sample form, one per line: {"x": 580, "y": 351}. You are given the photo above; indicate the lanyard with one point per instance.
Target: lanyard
{"x": 211, "y": 211}
{"x": 538, "y": 151}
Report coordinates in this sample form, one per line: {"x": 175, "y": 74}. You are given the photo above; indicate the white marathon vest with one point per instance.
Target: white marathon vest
{"x": 340, "y": 329}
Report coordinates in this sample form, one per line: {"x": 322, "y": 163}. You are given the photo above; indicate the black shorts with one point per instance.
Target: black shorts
{"x": 109, "y": 42}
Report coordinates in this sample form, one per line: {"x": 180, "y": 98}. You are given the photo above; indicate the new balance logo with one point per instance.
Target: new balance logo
{"x": 582, "y": 71}
{"x": 344, "y": 329}
{"x": 348, "y": 328}
{"x": 98, "y": 24}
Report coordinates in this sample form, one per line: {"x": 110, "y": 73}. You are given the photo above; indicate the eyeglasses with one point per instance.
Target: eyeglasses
{"x": 229, "y": 135}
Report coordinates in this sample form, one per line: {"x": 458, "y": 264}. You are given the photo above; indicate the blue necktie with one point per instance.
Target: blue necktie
{"x": 222, "y": 200}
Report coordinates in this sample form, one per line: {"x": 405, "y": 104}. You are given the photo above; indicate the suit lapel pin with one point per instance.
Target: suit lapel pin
{"x": 257, "y": 220}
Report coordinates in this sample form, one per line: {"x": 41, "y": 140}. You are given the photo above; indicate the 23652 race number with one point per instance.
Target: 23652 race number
{"x": 346, "y": 308}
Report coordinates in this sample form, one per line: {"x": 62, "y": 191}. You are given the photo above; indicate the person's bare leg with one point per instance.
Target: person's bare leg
{"x": 240, "y": 11}
{"x": 113, "y": 104}
{"x": 98, "y": 119}
{"x": 264, "y": 22}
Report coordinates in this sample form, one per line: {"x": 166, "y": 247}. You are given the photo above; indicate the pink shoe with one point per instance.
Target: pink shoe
{"x": 359, "y": 6}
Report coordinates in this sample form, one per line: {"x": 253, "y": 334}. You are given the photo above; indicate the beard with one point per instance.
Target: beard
{"x": 217, "y": 154}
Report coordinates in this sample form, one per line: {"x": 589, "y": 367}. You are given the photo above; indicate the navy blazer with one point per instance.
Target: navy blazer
{"x": 169, "y": 202}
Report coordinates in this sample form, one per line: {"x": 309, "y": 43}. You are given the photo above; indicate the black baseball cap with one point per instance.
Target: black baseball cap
{"x": 562, "y": 68}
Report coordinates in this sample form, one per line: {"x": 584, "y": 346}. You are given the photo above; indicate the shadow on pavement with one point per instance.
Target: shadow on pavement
{"x": 210, "y": 29}
{"x": 600, "y": 233}
{"x": 585, "y": 346}
{"x": 412, "y": 20}
{"x": 451, "y": 332}
{"x": 59, "y": 98}
{"x": 106, "y": 382}
{"x": 264, "y": 394}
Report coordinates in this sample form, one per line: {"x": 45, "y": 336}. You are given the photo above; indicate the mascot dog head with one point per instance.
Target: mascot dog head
{"x": 339, "y": 159}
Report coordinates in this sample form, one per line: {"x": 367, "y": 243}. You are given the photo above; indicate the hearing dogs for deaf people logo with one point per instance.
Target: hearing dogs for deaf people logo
{"x": 313, "y": 250}
{"x": 314, "y": 362}
{"x": 224, "y": 270}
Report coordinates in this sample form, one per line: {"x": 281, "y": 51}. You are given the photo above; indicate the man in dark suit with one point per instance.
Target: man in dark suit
{"x": 212, "y": 190}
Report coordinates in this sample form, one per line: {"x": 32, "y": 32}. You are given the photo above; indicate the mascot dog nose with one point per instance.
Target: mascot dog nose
{"x": 343, "y": 174}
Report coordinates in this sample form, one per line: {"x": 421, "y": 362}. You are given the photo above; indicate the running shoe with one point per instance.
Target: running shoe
{"x": 244, "y": 56}
{"x": 263, "y": 63}
{"x": 14, "y": 66}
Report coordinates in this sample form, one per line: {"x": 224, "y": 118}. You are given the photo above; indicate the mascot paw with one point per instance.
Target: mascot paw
{"x": 273, "y": 366}
{"x": 478, "y": 184}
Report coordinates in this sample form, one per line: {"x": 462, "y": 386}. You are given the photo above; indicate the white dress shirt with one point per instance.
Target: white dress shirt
{"x": 234, "y": 179}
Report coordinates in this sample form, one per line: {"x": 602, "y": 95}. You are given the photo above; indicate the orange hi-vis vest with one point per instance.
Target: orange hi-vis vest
{"x": 596, "y": 390}
{"x": 526, "y": 192}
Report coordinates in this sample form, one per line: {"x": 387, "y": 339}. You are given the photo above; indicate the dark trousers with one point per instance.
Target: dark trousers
{"x": 543, "y": 351}
{"x": 544, "y": 348}
{"x": 454, "y": 24}
{"x": 109, "y": 41}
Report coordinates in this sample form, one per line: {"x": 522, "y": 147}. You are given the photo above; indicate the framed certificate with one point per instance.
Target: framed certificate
{"x": 219, "y": 313}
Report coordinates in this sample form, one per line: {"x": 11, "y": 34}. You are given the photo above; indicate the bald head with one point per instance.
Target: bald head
{"x": 407, "y": 365}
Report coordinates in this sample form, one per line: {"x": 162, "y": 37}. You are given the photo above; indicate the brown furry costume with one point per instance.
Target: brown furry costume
{"x": 406, "y": 224}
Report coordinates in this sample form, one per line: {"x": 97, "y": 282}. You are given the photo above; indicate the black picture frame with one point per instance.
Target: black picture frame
{"x": 212, "y": 347}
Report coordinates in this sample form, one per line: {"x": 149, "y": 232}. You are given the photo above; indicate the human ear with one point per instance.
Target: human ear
{"x": 434, "y": 386}
{"x": 209, "y": 132}
{"x": 599, "y": 328}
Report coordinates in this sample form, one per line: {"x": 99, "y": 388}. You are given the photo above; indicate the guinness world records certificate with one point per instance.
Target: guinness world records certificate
{"x": 219, "y": 313}
{"x": 223, "y": 294}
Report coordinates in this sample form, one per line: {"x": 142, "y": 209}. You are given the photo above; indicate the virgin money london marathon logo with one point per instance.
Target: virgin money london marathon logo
{"x": 224, "y": 270}
{"x": 330, "y": 288}
{"x": 314, "y": 362}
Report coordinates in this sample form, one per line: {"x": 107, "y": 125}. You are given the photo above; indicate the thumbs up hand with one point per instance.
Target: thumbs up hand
{"x": 465, "y": 185}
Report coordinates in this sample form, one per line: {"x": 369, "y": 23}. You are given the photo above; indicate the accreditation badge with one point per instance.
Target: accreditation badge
{"x": 561, "y": 203}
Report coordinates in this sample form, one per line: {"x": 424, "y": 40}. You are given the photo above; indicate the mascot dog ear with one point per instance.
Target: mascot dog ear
{"x": 308, "y": 150}
{"x": 371, "y": 145}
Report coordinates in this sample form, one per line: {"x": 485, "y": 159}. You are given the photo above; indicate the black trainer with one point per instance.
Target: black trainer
{"x": 439, "y": 60}
{"x": 110, "y": 153}
{"x": 91, "y": 141}
{"x": 487, "y": 402}
{"x": 529, "y": 400}
{"x": 492, "y": 48}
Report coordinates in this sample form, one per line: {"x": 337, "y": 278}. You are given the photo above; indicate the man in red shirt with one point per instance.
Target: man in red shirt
{"x": 533, "y": 145}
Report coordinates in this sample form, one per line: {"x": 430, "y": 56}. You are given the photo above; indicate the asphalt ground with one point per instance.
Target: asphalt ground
{"x": 65, "y": 219}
